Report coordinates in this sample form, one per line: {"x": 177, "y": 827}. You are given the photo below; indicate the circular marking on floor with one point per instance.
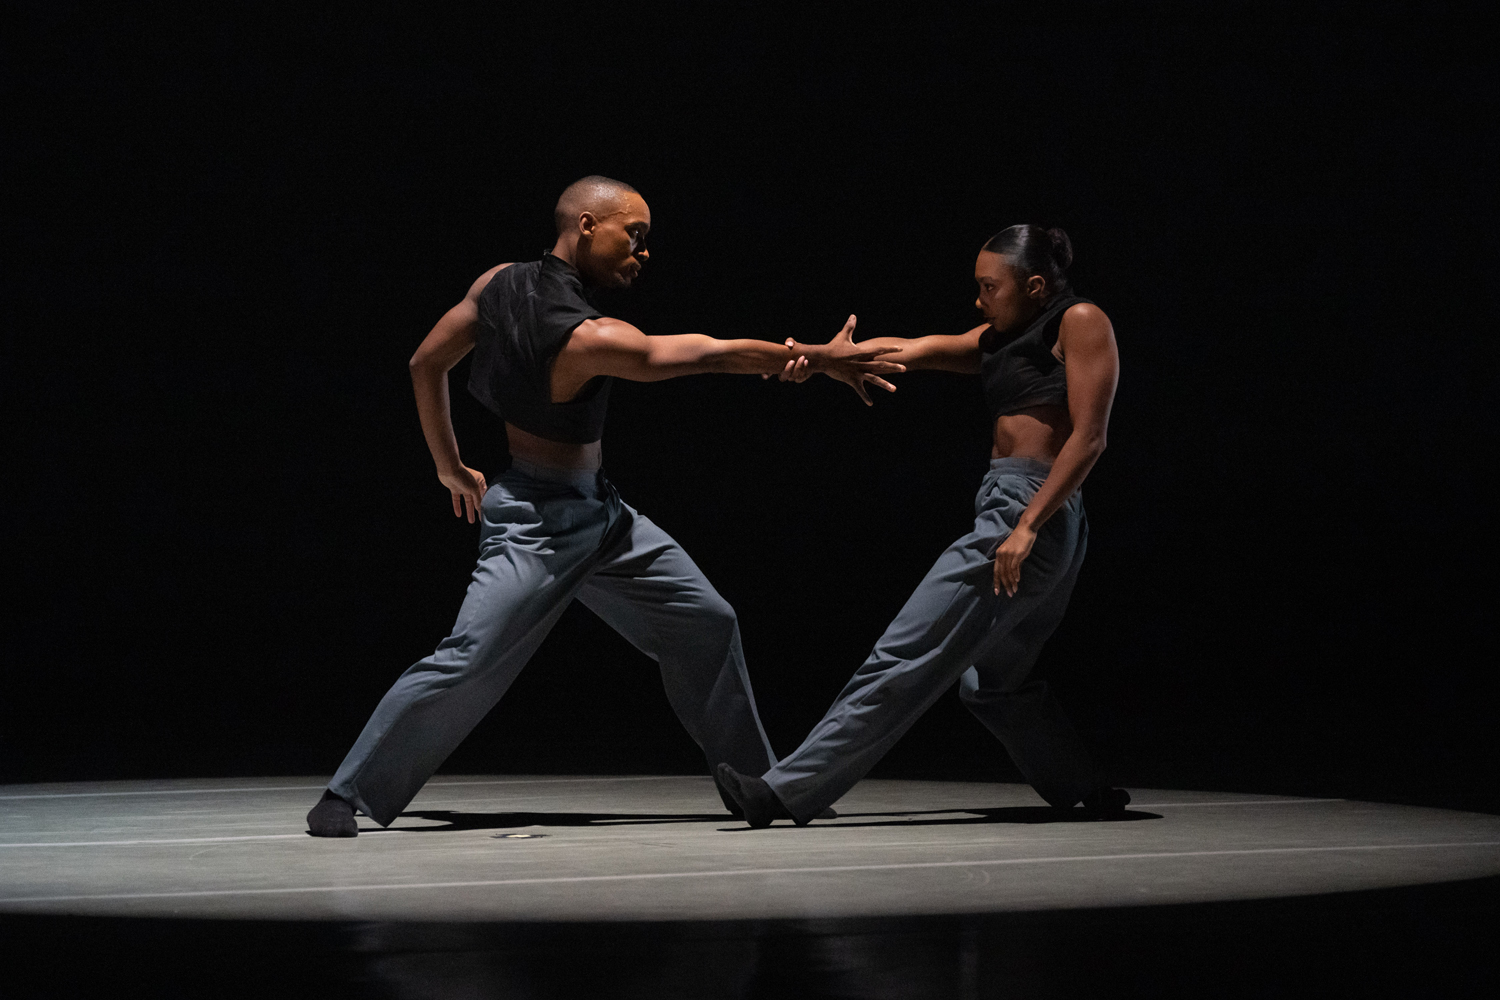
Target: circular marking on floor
{"x": 661, "y": 848}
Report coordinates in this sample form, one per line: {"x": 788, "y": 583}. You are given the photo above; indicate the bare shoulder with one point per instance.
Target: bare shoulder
{"x": 484, "y": 279}
{"x": 1085, "y": 321}
{"x": 604, "y": 334}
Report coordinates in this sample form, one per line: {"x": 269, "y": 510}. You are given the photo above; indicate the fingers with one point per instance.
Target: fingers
{"x": 458, "y": 504}
{"x": 859, "y": 387}
{"x": 873, "y": 380}
{"x": 879, "y": 366}
{"x": 1007, "y": 575}
{"x": 848, "y": 331}
{"x": 796, "y": 370}
{"x": 786, "y": 372}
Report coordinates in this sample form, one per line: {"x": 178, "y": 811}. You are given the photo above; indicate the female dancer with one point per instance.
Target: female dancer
{"x": 1049, "y": 365}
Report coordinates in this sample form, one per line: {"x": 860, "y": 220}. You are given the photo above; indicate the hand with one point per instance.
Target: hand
{"x": 842, "y": 359}
{"x": 467, "y": 487}
{"x": 1008, "y": 558}
{"x": 797, "y": 369}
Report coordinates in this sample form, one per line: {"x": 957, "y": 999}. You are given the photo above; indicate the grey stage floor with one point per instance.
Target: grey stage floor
{"x": 661, "y": 848}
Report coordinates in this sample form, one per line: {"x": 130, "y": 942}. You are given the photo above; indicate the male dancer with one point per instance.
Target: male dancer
{"x": 553, "y": 527}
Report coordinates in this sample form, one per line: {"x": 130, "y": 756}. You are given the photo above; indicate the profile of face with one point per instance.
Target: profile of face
{"x": 1007, "y": 300}
{"x": 612, "y": 244}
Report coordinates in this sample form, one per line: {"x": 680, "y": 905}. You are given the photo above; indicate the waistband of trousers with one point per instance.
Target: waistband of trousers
{"x": 1020, "y": 467}
{"x": 588, "y": 480}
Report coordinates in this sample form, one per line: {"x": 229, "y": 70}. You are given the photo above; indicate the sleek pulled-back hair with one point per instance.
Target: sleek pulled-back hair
{"x": 1033, "y": 250}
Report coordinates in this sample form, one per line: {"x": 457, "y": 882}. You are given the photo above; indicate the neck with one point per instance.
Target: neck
{"x": 566, "y": 249}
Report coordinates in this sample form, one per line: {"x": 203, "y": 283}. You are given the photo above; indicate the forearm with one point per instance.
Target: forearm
{"x": 1069, "y": 470}
{"x": 430, "y": 384}
{"x": 696, "y": 353}
{"x": 936, "y": 352}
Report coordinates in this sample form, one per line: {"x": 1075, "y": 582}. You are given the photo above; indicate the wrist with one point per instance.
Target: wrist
{"x": 816, "y": 354}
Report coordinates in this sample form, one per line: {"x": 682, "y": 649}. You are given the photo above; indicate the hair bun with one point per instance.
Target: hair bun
{"x": 1062, "y": 248}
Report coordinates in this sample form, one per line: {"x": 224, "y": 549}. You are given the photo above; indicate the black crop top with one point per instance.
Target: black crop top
{"x": 1023, "y": 371}
{"x": 526, "y": 314}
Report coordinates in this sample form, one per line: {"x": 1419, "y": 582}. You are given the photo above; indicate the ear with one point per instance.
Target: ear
{"x": 1036, "y": 287}
{"x": 586, "y": 223}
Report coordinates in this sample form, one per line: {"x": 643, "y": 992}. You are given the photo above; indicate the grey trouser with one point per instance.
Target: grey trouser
{"x": 548, "y": 536}
{"x": 955, "y": 628}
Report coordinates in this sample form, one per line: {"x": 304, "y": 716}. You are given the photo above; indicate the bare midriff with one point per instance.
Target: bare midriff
{"x": 554, "y": 454}
{"x": 1038, "y": 432}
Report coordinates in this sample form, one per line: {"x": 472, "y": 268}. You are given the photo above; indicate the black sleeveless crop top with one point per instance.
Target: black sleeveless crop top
{"x": 526, "y": 314}
{"x": 1023, "y": 371}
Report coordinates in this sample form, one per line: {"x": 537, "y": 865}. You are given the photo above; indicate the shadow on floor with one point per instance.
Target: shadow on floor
{"x": 512, "y": 820}
{"x": 998, "y": 814}
{"x": 930, "y": 817}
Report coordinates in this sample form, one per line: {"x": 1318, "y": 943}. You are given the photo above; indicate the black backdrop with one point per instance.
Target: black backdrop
{"x": 225, "y": 235}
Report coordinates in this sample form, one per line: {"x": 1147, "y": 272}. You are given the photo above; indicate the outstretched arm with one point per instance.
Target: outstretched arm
{"x": 936, "y": 352}
{"x": 442, "y": 348}
{"x": 1093, "y": 367}
{"x": 613, "y": 347}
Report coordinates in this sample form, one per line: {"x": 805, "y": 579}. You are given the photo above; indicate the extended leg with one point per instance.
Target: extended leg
{"x": 650, "y": 591}
{"x": 528, "y": 571}
{"x": 952, "y": 620}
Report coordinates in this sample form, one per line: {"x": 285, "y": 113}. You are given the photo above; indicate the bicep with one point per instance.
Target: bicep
{"x": 609, "y": 346}
{"x": 1093, "y": 366}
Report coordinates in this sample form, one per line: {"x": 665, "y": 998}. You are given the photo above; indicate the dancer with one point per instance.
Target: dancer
{"x": 553, "y": 527}
{"x": 1049, "y": 366}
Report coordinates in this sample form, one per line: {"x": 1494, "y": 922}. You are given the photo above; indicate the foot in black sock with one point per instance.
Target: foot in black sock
{"x": 729, "y": 803}
{"x": 758, "y": 804}
{"x": 1107, "y": 803}
{"x": 738, "y": 813}
{"x": 332, "y": 817}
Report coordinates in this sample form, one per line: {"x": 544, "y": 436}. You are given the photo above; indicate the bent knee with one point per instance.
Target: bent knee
{"x": 713, "y": 611}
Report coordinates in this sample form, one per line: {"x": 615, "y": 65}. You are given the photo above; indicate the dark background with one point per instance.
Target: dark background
{"x": 223, "y": 537}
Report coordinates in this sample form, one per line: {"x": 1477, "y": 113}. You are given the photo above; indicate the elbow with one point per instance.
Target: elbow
{"x": 1094, "y": 441}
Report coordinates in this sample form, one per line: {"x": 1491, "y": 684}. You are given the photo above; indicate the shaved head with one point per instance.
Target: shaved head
{"x": 600, "y": 196}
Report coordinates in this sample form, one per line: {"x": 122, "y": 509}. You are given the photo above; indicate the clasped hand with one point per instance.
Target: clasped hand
{"x": 842, "y": 359}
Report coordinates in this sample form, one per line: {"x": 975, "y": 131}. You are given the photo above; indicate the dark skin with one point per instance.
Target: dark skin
{"x": 1070, "y": 437}
{"x": 606, "y": 243}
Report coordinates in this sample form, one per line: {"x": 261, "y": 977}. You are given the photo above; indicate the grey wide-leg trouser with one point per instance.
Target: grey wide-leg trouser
{"x": 955, "y": 628}
{"x": 548, "y": 536}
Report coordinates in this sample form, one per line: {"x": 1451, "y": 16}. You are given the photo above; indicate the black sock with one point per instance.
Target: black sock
{"x": 332, "y": 817}
{"x": 758, "y": 803}
{"x": 1107, "y": 801}
{"x": 729, "y": 803}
